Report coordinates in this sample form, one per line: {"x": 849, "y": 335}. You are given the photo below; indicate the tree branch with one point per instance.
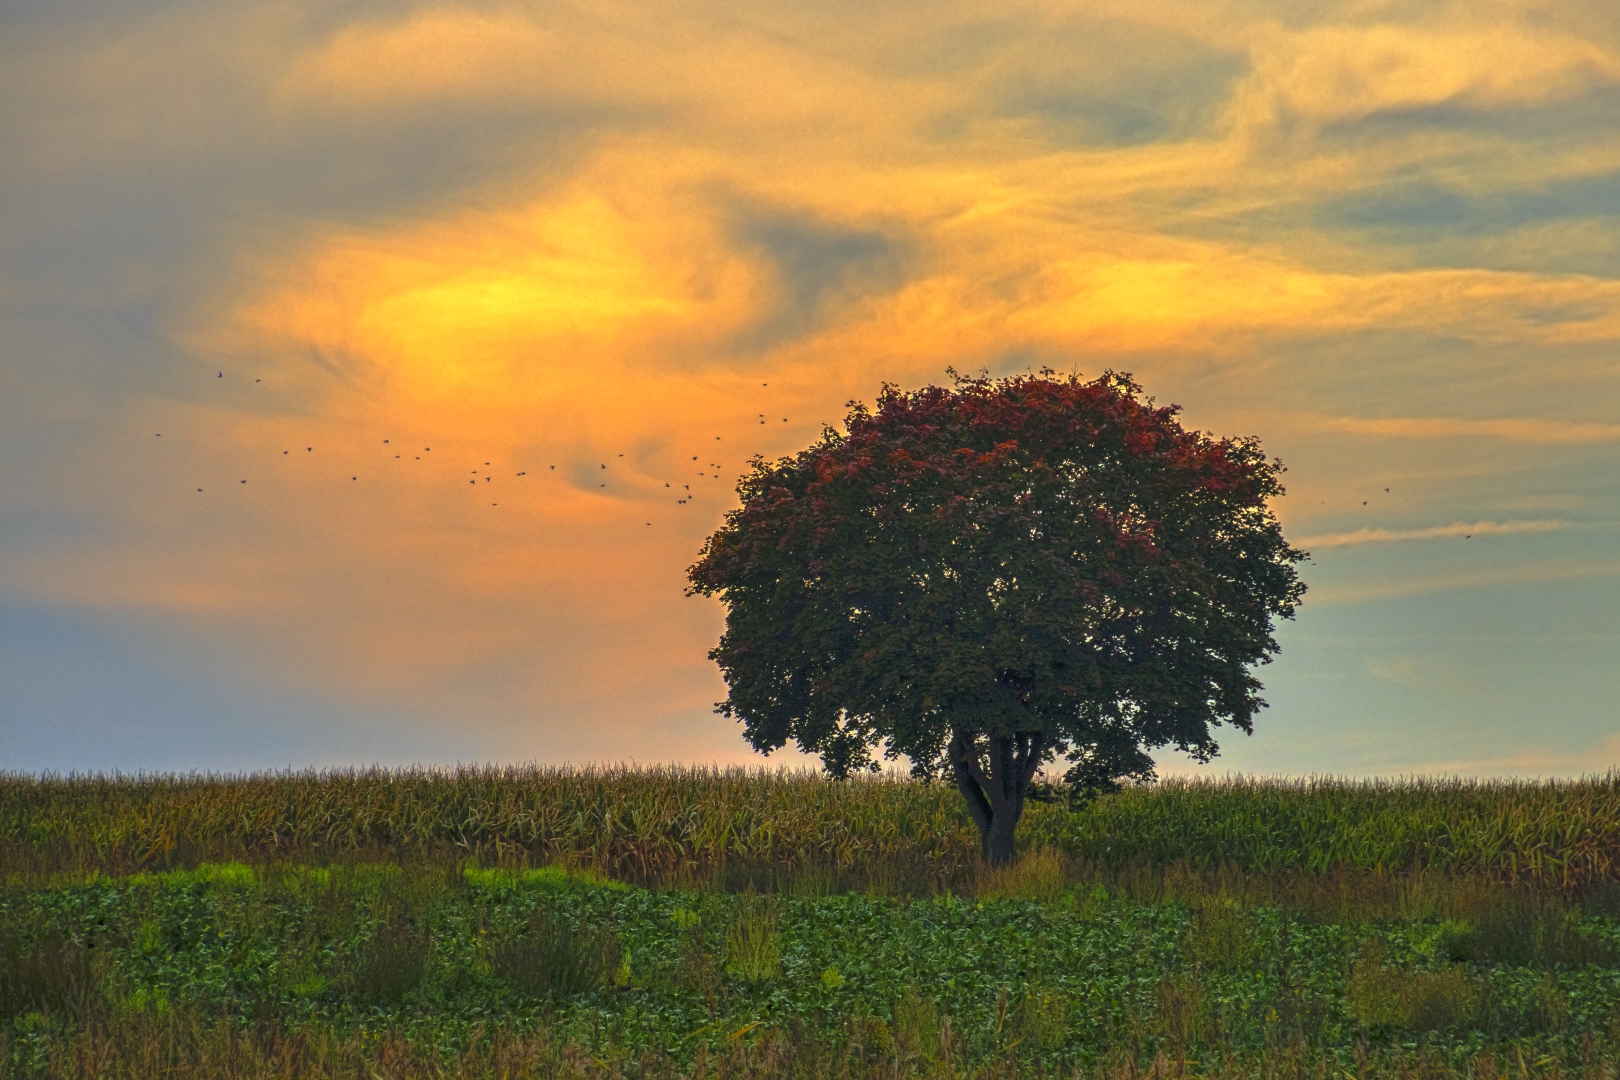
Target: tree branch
{"x": 971, "y": 782}
{"x": 970, "y": 762}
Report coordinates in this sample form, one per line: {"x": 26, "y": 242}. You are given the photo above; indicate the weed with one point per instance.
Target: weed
{"x": 1384, "y": 999}
{"x": 753, "y": 942}
{"x": 550, "y": 958}
{"x": 1044, "y": 1019}
{"x": 52, "y": 975}
{"x": 1036, "y": 875}
{"x": 389, "y": 965}
{"x": 915, "y": 1028}
{"x": 1220, "y": 938}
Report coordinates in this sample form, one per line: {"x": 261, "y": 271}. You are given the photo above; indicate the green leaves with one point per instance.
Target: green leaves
{"x": 1066, "y": 980}
{"x": 1033, "y": 556}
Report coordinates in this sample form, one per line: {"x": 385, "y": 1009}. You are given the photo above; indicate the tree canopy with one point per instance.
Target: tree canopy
{"x": 994, "y": 575}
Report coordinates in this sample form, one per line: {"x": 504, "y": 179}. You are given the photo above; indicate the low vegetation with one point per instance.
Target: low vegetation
{"x": 383, "y": 951}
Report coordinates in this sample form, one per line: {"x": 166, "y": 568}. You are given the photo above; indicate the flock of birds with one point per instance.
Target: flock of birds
{"x": 684, "y": 498}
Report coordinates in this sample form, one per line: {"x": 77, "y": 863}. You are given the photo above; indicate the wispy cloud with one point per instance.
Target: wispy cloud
{"x": 1593, "y": 760}
{"x": 1511, "y": 429}
{"x": 1456, "y": 529}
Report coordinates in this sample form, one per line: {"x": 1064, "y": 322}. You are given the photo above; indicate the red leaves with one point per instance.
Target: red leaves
{"x": 1064, "y": 536}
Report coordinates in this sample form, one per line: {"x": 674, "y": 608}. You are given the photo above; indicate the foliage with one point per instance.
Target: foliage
{"x": 1104, "y": 968}
{"x": 988, "y": 576}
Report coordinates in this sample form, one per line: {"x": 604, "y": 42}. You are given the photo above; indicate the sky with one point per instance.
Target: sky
{"x": 372, "y": 371}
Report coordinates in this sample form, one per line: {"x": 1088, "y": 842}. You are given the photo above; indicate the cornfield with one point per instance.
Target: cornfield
{"x": 651, "y": 823}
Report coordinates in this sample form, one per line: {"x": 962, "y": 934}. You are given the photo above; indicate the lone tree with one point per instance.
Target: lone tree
{"x": 989, "y": 576}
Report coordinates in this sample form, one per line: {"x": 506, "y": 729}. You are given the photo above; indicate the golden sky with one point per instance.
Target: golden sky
{"x": 464, "y": 319}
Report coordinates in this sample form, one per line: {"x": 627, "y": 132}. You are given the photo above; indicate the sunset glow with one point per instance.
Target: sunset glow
{"x": 373, "y": 373}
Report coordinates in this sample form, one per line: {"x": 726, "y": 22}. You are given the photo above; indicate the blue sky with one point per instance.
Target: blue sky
{"x": 244, "y": 246}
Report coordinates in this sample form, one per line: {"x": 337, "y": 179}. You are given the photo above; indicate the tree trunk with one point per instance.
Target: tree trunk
{"x": 995, "y": 789}
{"x": 997, "y": 844}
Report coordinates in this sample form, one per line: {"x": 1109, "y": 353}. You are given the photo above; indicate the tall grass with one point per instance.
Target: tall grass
{"x": 917, "y": 1045}
{"x": 660, "y": 823}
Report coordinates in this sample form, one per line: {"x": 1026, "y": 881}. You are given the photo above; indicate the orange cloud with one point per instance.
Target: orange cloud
{"x": 619, "y": 247}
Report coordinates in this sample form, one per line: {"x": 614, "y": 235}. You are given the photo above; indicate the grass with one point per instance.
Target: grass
{"x": 363, "y": 952}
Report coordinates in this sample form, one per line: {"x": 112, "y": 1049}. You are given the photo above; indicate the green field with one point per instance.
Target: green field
{"x": 681, "y": 923}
